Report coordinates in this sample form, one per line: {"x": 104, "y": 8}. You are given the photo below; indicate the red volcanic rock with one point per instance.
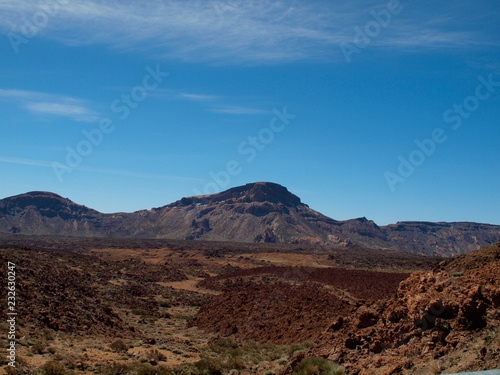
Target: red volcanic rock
{"x": 290, "y": 304}
{"x": 366, "y": 317}
{"x": 335, "y": 325}
{"x": 442, "y": 314}
{"x": 277, "y": 312}
{"x": 447, "y": 317}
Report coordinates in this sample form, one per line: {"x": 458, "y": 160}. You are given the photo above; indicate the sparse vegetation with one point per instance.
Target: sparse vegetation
{"x": 317, "y": 366}
{"x": 140, "y": 311}
{"x": 436, "y": 367}
{"x": 55, "y": 368}
{"x": 48, "y": 335}
{"x": 227, "y": 354}
{"x": 105, "y": 327}
{"x": 38, "y": 348}
{"x": 165, "y": 304}
{"x": 208, "y": 366}
{"x": 51, "y": 350}
{"x": 156, "y": 355}
{"x": 134, "y": 369}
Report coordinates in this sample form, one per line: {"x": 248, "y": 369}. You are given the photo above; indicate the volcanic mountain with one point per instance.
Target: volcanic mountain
{"x": 46, "y": 213}
{"x": 256, "y": 212}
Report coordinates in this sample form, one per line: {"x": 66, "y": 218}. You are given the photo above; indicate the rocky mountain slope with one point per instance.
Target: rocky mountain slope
{"x": 256, "y": 212}
{"x": 46, "y": 213}
{"x": 444, "y": 320}
{"x": 443, "y": 238}
{"x": 260, "y": 212}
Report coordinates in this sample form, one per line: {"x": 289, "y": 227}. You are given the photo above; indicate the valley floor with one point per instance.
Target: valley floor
{"x": 174, "y": 307}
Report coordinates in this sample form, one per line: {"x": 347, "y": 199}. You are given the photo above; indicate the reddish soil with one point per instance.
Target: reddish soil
{"x": 276, "y": 313}
{"x": 289, "y": 304}
{"x": 77, "y": 294}
{"x": 362, "y": 285}
{"x": 444, "y": 319}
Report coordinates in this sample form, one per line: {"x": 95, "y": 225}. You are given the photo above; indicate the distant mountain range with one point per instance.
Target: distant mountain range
{"x": 256, "y": 212}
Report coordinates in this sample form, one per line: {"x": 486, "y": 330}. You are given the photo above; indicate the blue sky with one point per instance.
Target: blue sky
{"x": 383, "y": 109}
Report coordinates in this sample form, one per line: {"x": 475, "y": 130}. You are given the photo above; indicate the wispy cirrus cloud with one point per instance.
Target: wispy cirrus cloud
{"x": 251, "y": 31}
{"x": 119, "y": 172}
{"x": 198, "y": 97}
{"x": 75, "y": 112}
{"x": 220, "y": 104}
{"x": 237, "y": 110}
{"x": 50, "y": 104}
{"x": 22, "y": 161}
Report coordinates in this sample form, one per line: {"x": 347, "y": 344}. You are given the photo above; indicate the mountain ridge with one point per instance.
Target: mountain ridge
{"x": 252, "y": 192}
{"x": 255, "y": 212}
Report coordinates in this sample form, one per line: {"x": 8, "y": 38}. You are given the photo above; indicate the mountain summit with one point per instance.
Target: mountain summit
{"x": 46, "y": 203}
{"x": 255, "y": 212}
{"x": 40, "y": 212}
{"x": 257, "y": 192}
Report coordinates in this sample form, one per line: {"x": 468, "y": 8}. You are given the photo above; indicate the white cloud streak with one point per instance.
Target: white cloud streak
{"x": 243, "y": 32}
{"x": 198, "y": 97}
{"x": 236, "y": 110}
{"x": 21, "y": 161}
{"x": 217, "y": 103}
{"x": 75, "y": 112}
{"x": 119, "y": 172}
{"x": 49, "y": 104}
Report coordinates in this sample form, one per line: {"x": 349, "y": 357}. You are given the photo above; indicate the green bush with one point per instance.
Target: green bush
{"x": 224, "y": 344}
{"x": 118, "y": 346}
{"x": 236, "y": 363}
{"x": 209, "y": 366}
{"x": 18, "y": 369}
{"x": 51, "y": 350}
{"x": 14, "y": 371}
{"x": 134, "y": 369}
{"x": 48, "y": 335}
{"x": 116, "y": 369}
{"x": 146, "y": 369}
{"x": 226, "y": 355}
{"x": 317, "y": 366}
{"x": 156, "y": 355}
{"x": 165, "y": 304}
{"x": 55, "y": 368}
{"x": 140, "y": 311}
